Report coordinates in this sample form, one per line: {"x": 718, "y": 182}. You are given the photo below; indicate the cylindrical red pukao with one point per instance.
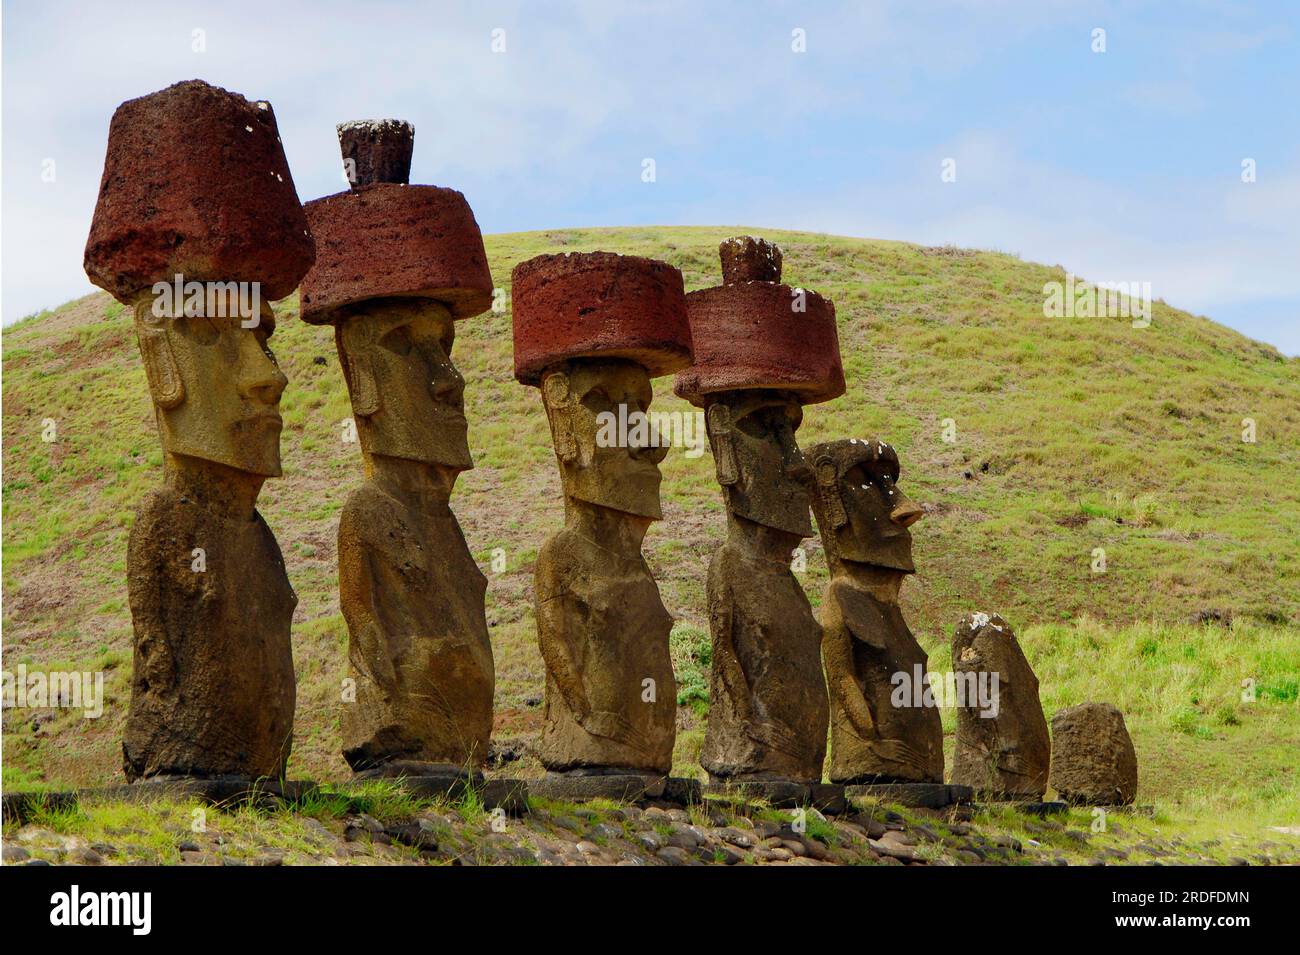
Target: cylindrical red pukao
{"x": 759, "y": 334}
{"x": 196, "y": 184}
{"x": 598, "y": 305}
{"x": 390, "y": 239}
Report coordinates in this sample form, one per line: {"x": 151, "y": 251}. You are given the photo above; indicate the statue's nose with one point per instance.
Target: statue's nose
{"x": 906, "y": 513}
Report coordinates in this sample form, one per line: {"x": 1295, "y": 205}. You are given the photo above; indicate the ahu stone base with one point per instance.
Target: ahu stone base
{"x": 618, "y": 787}
{"x": 827, "y": 798}
{"x": 433, "y": 780}
{"x": 219, "y": 791}
{"x": 914, "y": 795}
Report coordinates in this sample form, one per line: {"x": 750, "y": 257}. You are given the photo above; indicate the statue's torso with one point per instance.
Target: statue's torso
{"x": 907, "y": 744}
{"x": 617, "y": 633}
{"x": 419, "y": 650}
{"x": 213, "y": 684}
{"x": 777, "y": 644}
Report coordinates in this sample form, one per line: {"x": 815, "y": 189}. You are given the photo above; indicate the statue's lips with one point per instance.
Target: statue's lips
{"x": 266, "y": 420}
{"x": 641, "y": 468}
{"x": 449, "y": 416}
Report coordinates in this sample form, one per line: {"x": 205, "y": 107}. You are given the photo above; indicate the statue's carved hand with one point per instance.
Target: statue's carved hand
{"x": 775, "y": 735}
{"x": 611, "y": 725}
{"x": 158, "y": 665}
{"x": 896, "y": 751}
{"x": 1009, "y": 761}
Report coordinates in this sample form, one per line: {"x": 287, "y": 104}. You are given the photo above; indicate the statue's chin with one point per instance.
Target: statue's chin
{"x": 445, "y": 456}
{"x": 643, "y": 506}
{"x": 883, "y": 557}
{"x": 264, "y": 463}
{"x": 788, "y": 524}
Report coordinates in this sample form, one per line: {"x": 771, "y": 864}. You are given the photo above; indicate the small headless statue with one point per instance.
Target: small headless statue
{"x": 878, "y": 733}
{"x": 1002, "y": 748}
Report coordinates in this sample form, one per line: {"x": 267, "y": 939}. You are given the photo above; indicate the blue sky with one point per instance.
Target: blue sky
{"x": 1121, "y": 166}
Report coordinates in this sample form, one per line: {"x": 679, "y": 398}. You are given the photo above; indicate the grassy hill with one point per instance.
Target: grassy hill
{"x": 1071, "y": 435}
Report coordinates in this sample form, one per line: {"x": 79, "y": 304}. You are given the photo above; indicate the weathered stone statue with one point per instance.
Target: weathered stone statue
{"x": 397, "y": 266}
{"x": 592, "y": 330}
{"x": 882, "y": 731}
{"x": 762, "y": 351}
{"x": 1003, "y": 749}
{"x": 197, "y": 246}
{"x": 1093, "y": 760}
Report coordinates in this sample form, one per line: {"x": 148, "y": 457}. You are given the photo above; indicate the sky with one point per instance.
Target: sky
{"x": 1122, "y": 165}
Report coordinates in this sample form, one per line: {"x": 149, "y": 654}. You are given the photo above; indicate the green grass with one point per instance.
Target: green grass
{"x": 1076, "y": 434}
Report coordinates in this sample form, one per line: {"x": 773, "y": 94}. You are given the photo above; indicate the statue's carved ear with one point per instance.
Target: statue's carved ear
{"x": 357, "y": 338}
{"x": 828, "y": 489}
{"x": 365, "y": 391}
{"x": 718, "y": 421}
{"x": 559, "y": 401}
{"x": 165, "y": 383}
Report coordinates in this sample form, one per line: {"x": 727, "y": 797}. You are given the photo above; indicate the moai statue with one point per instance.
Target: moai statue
{"x": 762, "y": 351}
{"x": 1003, "y": 749}
{"x": 397, "y": 266}
{"x": 592, "y": 330}
{"x": 197, "y": 228}
{"x": 884, "y": 726}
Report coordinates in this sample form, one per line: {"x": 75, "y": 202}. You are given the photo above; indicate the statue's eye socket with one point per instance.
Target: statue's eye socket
{"x": 755, "y": 424}
{"x": 199, "y": 330}
{"x": 397, "y": 340}
{"x": 597, "y": 400}
{"x": 856, "y": 476}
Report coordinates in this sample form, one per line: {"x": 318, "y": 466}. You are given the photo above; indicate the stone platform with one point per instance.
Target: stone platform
{"x": 827, "y": 798}
{"x": 914, "y": 795}
{"x": 508, "y": 794}
{"x": 623, "y": 788}
{"x": 618, "y": 787}
{"x": 429, "y": 781}
{"x": 215, "y": 791}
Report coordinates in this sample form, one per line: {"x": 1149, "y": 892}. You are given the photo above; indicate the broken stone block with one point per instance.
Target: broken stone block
{"x": 1093, "y": 760}
{"x": 1002, "y": 749}
{"x": 746, "y": 258}
{"x": 376, "y": 150}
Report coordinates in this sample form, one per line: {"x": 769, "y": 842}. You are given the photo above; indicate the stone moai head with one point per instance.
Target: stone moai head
{"x": 763, "y": 350}
{"x": 198, "y": 247}
{"x": 862, "y": 514}
{"x": 592, "y": 330}
{"x": 397, "y": 265}
{"x": 577, "y": 397}
{"x": 758, "y": 462}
